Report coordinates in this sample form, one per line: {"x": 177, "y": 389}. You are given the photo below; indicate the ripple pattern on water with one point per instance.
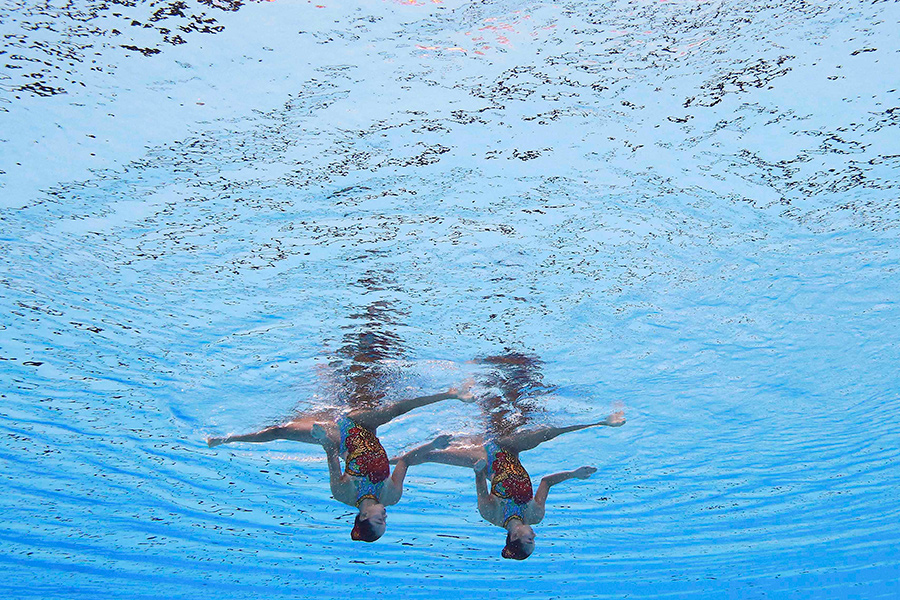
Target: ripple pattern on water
{"x": 688, "y": 209}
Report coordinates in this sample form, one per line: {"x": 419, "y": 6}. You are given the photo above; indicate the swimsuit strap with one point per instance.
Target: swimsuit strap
{"x": 364, "y": 496}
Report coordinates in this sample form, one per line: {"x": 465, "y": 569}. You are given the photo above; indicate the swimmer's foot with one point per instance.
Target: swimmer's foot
{"x": 584, "y": 472}
{"x": 417, "y": 456}
{"x": 464, "y": 391}
{"x": 617, "y": 419}
{"x": 440, "y": 442}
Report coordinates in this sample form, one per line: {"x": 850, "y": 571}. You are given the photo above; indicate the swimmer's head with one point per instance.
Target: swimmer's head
{"x": 519, "y": 542}
{"x": 370, "y": 523}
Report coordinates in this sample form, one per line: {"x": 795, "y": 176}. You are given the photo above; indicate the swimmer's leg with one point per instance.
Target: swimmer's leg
{"x": 526, "y": 440}
{"x": 298, "y": 430}
{"x": 457, "y": 456}
{"x": 371, "y": 419}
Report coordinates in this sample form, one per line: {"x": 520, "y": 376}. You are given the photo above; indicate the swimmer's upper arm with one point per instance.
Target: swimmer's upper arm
{"x": 481, "y": 484}
{"x": 540, "y": 496}
{"x": 534, "y": 513}
{"x": 393, "y": 487}
{"x": 488, "y": 507}
{"x": 488, "y": 504}
{"x": 340, "y": 483}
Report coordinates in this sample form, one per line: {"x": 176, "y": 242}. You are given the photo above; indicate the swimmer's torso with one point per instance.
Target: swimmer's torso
{"x": 366, "y": 461}
{"x": 510, "y": 483}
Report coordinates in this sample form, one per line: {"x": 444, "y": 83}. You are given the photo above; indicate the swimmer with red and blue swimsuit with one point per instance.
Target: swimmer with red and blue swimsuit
{"x": 509, "y": 502}
{"x": 367, "y": 482}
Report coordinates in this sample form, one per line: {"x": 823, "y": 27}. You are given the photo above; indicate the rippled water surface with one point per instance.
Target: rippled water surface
{"x": 217, "y": 214}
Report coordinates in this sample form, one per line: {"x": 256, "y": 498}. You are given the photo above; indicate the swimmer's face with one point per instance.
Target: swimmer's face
{"x": 369, "y": 524}
{"x": 376, "y": 515}
{"x": 523, "y": 534}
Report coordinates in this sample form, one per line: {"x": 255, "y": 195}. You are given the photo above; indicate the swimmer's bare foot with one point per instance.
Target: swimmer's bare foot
{"x": 417, "y": 456}
{"x": 441, "y": 442}
{"x": 617, "y": 419}
{"x": 212, "y": 442}
{"x": 464, "y": 391}
{"x": 584, "y": 472}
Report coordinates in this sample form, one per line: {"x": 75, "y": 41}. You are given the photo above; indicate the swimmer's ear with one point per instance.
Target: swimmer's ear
{"x": 356, "y": 533}
{"x": 363, "y": 532}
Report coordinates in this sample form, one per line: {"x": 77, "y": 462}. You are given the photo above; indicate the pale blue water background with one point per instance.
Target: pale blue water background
{"x": 686, "y": 208}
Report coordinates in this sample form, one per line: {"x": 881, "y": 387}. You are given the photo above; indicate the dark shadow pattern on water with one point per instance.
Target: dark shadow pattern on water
{"x": 43, "y": 41}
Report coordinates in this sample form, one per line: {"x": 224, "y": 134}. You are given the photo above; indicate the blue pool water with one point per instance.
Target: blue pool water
{"x": 215, "y": 215}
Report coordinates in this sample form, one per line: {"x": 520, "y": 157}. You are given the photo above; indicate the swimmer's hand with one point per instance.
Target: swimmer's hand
{"x": 617, "y": 419}
{"x": 212, "y": 442}
{"x": 481, "y": 465}
{"x": 464, "y": 391}
{"x": 583, "y": 472}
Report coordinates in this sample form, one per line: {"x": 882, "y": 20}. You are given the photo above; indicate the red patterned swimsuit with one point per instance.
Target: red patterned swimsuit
{"x": 510, "y": 481}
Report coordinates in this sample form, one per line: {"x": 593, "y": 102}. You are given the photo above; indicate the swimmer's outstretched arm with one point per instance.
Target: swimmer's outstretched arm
{"x": 540, "y": 497}
{"x": 535, "y": 512}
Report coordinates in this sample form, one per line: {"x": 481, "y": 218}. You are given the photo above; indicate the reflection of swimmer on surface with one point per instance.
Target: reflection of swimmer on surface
{"x": 509, "y": 502}
{"x": 514, "y": 385}
{"x": 367, "y": 483}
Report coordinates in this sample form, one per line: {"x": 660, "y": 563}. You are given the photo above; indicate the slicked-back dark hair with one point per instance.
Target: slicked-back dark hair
{"x": 513, "y": 549}
{"x": 363, "y": 531}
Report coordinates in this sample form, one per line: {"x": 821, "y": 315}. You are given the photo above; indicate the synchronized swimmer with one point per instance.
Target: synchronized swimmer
{"x": 510, "y": 502}
{"x": 367, "y": 482}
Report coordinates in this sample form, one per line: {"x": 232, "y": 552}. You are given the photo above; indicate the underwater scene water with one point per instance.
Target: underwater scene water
{"x": 218, "y": 215}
